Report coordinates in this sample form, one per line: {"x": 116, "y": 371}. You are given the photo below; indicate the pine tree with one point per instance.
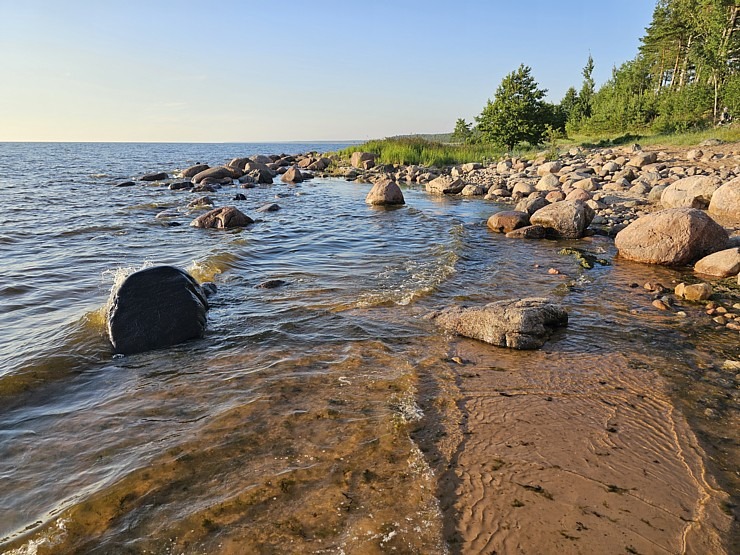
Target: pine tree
{"x": 462, "y": 132}
{"x": 517, "y": 113}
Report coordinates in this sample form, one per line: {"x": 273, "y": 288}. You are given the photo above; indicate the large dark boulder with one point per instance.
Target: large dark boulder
{"x": 158, "y": 176}
{"x": 154, "y": 308}
{"x": 515, "y": 323}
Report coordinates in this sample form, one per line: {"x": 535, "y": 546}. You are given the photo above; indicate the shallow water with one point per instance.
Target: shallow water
{"x": 286, "y": 428}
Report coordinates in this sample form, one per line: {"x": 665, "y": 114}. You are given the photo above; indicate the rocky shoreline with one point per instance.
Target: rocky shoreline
{"x": 671, "y": 206}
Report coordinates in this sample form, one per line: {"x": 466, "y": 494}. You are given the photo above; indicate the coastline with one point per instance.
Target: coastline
{"x": 494, "y": 435}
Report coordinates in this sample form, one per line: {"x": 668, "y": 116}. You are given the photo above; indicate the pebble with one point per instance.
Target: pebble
{"x": 660, "y": 305}
{"x": 553, "y": 271}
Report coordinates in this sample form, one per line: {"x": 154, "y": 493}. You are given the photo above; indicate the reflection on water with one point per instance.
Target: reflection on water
{"x": 284, "y": 429}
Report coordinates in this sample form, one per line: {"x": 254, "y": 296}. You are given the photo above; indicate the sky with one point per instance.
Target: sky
{"x": 247, "y": 71}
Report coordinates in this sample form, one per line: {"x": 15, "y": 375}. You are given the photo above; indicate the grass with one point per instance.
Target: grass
{"x": 417, "y": 151}
{"x": 421, "y": 152}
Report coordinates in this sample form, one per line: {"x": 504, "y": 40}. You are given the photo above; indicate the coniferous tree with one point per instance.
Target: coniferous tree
{"x": 517, "y": 112}
{"x": 463, "y": 132}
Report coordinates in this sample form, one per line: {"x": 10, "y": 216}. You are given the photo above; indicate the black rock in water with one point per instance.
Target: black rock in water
{"x": 126, "y": 184}
{"x": 154, "y": 308}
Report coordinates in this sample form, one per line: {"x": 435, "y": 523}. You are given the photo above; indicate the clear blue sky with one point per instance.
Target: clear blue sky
{"x": 161, "y": 70}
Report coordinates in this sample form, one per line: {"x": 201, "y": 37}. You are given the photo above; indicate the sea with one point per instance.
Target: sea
{"x": 289, "y": 427}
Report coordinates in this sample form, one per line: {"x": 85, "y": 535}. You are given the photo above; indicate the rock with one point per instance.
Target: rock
{"x": 154, "y": 308}
{"x": 690, "y": 192}
{"x": 508, "y": 220}
{"x": 503, "y": 167}
{"x": 126, "y": 184}
{"x": 530, "y": 205}
{"x": 694, "y": 154}
{"x": 178, "y": 186}
{"x": 385, "y": 193}
{"x": 578, "y": 194}
{"x": 660, "y": 305}
{"x": 528, "y": 232}
{"x": 721, "y": 264}
{"x": 710, "y": 142}
{"x": 549, "y": 168}
{"x": 548, "y": 182}
{"x": 471, "y": 166}
{"x": 523, "y": 188}
{"x": 589, "y": 184}
{"x": 218, "y": 173}
{"x": 695, "y": 292}
{"x": 222, "y": 218}
{"x": 358, "y": 158}
{"x": 567, "y": 219}
{"x": 515, "y": 323}
{"x": 473, "y": 190}
{"x": 726, "y": 200}
{"x": 240, "y": 196}
{"x": 319, "y": 165}
{"x": 293, "y": 175}
{"x": 239, "y": 163}
{"x": 642, "y": 159}
{"x": 446, "y": 185}
{"x": 192, "y": 171}
{"x": 200, "y": 202}
{"x": 656, "y": 193}
{"x": 261, "y": 175}
{"x": 154, "y": 176}
{"x": 272, "y": 207}
{"x": 674, "y": 237}
{"x": 555, "y": 196}
{"x": 271, "y": 284}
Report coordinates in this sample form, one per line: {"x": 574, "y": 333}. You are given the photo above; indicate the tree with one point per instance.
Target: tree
{"x": 517, "y": 113}
{"x": 462, "y": 133}
{"x": 582, "y": 108}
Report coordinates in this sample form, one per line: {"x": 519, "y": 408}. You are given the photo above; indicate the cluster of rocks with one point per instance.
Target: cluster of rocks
{"x": 661, "y": 207}
{"x": 246, "y": 172}
{"x": 618, "y": 185}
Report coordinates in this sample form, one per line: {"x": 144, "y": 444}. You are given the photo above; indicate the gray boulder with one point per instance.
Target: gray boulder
{"x": 567, "y": 219}
{"x": 514, "y": 323}
{"x": 154, "y": 308}
{"x": 673, "y": 237}
{"x": 385, "y": 192}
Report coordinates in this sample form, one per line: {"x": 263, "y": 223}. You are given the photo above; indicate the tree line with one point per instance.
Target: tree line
{"x": 686, "y": 75}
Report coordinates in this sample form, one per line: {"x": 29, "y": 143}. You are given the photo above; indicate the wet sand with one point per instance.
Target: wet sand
{"x": 552, "y": 452}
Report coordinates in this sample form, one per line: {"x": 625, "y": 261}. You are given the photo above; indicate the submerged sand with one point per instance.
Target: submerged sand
{"x": 566, "y": 453}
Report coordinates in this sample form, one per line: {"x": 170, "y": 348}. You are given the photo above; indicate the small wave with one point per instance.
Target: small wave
{"x": 208, "y": 268}
{"x": 418, "y": 278}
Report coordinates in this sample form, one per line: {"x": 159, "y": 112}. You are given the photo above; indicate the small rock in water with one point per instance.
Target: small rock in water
{"x": 272, "y": 207}
{"x": 695, "y": 292}
{"x": 240, "y": 196}
{"x": 126, "y": 184}
{"x": 272, "y": 284}
{"x": 660, "y": 305}
{"x": 553, "y": 271}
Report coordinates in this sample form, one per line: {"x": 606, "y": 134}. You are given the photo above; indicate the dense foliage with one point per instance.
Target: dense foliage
{"x": 686, "y": 76}
{"x": 517, "y": 113}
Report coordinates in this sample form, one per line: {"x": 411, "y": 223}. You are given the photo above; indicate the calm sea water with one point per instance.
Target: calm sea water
{"x": 284, "y": 428}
